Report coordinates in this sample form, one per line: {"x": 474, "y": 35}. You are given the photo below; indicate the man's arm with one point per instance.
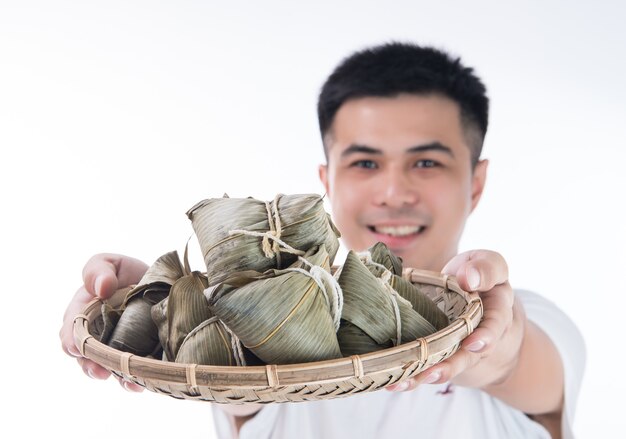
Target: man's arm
{"x": 507, "y": 356}
{"x": 534, "y": 383}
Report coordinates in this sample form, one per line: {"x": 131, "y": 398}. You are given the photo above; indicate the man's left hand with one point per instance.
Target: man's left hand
{"x": 489, "y": 354}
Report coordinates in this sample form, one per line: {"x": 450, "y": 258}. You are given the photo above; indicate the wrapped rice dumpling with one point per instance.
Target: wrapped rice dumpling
{"x": 135, "y": 330}
{"x": 163, "y": 272}
{"x": 159, "y": 317}
{"x": 102, "y": 327}
{"x": 420, "y": 302}
{"x": 380, "y": 259}
{"x": 188, "y": 330}
{"x": 283, "y": 316}
{"x": 186, "y": 309}
{"x": 239, "y": 234}
{"x": 379, "y": 253}
{"x": 209, "y": 343}
{"x": 374, "y": 316}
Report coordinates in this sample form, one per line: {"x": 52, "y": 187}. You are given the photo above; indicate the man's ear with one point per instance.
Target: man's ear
{"x": 323, "y": 173}
{"x": 478, "y": 181}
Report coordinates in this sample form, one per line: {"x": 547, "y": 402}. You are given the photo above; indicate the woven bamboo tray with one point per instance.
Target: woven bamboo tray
{"x": 295, "y": 382}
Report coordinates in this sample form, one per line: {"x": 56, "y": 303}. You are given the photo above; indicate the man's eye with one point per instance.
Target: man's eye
{"x": 426, "y": 164}
{"x": 366, "y": 164}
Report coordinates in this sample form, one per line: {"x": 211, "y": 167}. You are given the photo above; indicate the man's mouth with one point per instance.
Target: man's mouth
{"x": 397, "y": 231}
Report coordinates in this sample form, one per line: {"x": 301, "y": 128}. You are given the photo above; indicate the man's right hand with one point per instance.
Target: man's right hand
{"x": 102, "y": 275}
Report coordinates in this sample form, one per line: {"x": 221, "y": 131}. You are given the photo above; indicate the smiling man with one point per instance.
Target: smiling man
{"x": 400, "y": 171}
{"x": 403, "y": 128}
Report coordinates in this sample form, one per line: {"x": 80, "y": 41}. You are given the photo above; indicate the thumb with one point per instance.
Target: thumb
{"x": 100, "y": 276}
{"x": 478, "y": 270}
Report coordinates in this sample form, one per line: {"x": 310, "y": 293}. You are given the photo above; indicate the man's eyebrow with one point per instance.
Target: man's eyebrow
{"x": 364, "y": 149}
{"x": 360, "y": 149}
{"x": 434, "y": 146}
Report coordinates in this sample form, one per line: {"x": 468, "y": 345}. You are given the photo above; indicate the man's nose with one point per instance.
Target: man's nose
{"x": 396, "y": 190}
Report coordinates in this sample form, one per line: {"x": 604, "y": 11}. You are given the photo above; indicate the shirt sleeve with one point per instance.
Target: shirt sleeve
{"x": 569, "y": 343}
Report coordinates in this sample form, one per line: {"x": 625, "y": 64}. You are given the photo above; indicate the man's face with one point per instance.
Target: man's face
{"x": 399, "y": 171}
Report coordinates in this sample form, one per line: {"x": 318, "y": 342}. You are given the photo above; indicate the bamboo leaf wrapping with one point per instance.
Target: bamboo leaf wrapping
{"x": 282, "y": 316}
{"x": 299, "y": 221}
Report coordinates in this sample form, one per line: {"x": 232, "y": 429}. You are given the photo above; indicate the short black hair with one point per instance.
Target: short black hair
{"x": 395, "y": 68}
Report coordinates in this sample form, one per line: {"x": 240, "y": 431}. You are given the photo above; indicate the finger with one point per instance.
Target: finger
{"x": 478, "y": 270}
{"x": 403, "y": 386}
{"x": 429, "y": 376}
{"x": 66, "y": 334}
{"x": 497, "y": 319}
{"x": 100, "y": 275}
{"x": 449, "y": 368}
{"x": 128, "y": 385}
{"x": 132, "y": 387}
{"x": 105, "y": 272}
{"x": 96, "y": 371}
{"x": 93, "y": 370}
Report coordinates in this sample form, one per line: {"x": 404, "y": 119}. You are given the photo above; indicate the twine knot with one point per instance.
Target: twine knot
{"x": 272, "y": 245}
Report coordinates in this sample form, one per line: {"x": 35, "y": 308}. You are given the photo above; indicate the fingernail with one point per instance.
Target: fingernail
{"x": 473, "y": 278}
{"x": 98, "y": 285}
{"x": 74, "y": 352}
{"x": 126, "y": 385}
{"x": 91, "y": 374}
{"x": 401, "y": 387}
{"x": 432, "y": 377}
{"x": 476, "y": 346}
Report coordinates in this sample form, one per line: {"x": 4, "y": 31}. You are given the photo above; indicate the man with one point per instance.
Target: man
{"x": 403, "y": 128}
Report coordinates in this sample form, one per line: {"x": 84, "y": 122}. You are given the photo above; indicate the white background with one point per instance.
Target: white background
{"x": 116, "y": 117}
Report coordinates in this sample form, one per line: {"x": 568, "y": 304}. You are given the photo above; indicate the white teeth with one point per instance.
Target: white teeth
{"x": 398, "y": 231}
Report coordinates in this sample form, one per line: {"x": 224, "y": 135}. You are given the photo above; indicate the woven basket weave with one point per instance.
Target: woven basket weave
{"x": 296, "y": 382}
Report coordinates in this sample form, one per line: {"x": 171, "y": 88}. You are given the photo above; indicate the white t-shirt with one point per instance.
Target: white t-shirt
{"x": 428, "y": 412}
